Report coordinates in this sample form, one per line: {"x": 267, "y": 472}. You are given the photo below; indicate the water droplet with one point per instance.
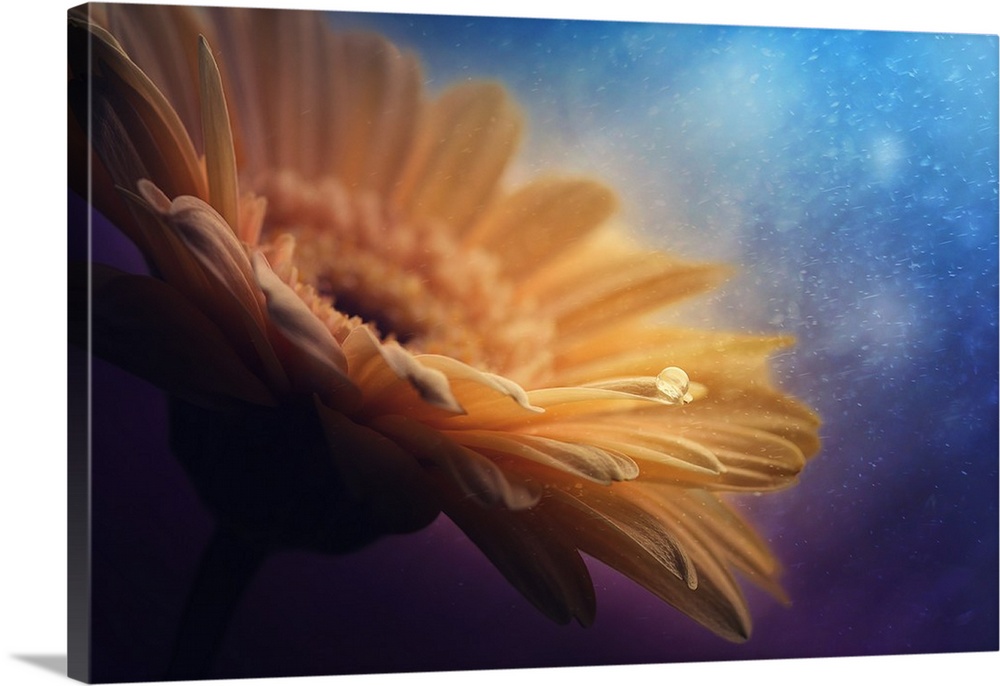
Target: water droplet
{"x": 673, "y": 384}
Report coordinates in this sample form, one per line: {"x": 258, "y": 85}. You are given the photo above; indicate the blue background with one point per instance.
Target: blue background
{"x": 852, "y": 177}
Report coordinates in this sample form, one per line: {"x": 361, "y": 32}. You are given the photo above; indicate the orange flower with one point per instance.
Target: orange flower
{"x": 362, "y": 326}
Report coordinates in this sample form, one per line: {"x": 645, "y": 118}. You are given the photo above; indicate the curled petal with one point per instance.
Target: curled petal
{"x": 392, "y": 377}
{"x": 431, "y": 384}
{"x": 659, "y": 453}
{"x": 468, "y": 378}
{"x": 315, "y": 360}
{"x": 210, "y": 239}
{"x": 194, "y": 250}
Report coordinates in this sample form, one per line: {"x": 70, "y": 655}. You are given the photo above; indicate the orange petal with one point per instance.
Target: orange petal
{"x": 754, "y": 460}
{"x": 651, "y": 445}
{"x": 627, "y": 531}
{"x": 599, "y": 464}
{"x": 714, "y": 522}
{"x": 611, "y": 296}
{"x": 732, "y": 358}
{"x": 670, "y": 387}
{"x": 432, "y": 385}
{"x": 626, "y": 519}
{"x": 768, "y": 410}
{"x": 346, "y": 106}
{"x": 471, "y": 385}
{"x": 394, "y": 381}
{"x": 531, "y": 551}
{"x": 476, "y": 476}
{"x": 604, "y": 281}
{"x": 150, "y": 124}
{"x": 220, "y": 156}
{"x": 470, "y": 135}
{"x": 375, "y": 110}
{"x": 162, "y": 40}
{"x": 537, "y": 223}
{"x": 558, "y": 404}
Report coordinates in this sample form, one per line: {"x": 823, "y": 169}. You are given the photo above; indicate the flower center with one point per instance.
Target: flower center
{"x": 413, "y": 281}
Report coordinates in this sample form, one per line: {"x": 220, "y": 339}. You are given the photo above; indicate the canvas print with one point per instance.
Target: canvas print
{"x": 416, "y": 343}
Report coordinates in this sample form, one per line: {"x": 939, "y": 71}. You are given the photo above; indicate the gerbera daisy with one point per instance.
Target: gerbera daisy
{"x": 360, "y": 325}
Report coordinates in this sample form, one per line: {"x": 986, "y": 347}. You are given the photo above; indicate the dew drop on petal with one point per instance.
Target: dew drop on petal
{"x": 673, "y": 384}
